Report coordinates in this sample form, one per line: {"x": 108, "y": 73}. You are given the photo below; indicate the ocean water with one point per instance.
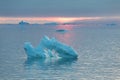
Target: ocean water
{"x": 98, "y": 48}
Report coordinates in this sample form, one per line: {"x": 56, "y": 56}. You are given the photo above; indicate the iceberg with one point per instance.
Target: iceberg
{"x": 50, "y": 48}
{"x": 61, "y": 30}
{"x": 23, "y": 23}
{"x": 51, "y": 23}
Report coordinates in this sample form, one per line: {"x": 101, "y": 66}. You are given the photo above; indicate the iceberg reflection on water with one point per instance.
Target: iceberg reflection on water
{"x": 48, "y": 63}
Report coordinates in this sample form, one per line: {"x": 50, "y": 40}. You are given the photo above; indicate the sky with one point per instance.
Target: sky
{"x": 59, "y": 8}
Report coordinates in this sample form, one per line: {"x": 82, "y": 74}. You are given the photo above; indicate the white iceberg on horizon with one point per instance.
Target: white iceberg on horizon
{"x": 50, "y": 48}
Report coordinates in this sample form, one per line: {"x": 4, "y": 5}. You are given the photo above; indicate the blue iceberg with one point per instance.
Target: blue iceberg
{"x": 50, "y": 48}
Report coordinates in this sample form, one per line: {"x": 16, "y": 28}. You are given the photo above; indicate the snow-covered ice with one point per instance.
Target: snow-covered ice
{"x": 50, "y": 48}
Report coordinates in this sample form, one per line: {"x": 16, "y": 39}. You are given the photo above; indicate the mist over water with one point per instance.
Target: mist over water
{"x": 98, "y": 47}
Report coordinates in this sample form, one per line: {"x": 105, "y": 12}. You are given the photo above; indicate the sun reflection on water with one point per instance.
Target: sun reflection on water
{"x": 67, "y": 36}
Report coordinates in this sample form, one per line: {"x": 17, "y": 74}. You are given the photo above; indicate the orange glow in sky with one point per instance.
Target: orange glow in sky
{"x": 41, "y": 20}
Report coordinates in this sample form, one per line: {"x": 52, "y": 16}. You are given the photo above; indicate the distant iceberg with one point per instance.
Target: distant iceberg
{"x": 23, "y": 23}
{"x": 61, "y": 30}
{"x": 51, "y": 23}
{"x": 111, "y": 24}
{"x": 50, "y": 48}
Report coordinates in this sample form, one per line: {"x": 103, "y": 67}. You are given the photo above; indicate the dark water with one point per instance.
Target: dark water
{"x": 98, "y": 49}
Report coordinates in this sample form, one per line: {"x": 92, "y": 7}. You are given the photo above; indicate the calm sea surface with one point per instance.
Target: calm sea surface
{"x": 98, "y": 48}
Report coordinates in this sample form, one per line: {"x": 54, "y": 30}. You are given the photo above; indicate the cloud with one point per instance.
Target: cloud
{"x": 59, "y": 7}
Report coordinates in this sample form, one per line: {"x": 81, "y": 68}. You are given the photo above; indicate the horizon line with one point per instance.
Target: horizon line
{"x": 41, "y": 20}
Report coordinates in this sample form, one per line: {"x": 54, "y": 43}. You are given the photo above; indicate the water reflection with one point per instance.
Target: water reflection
{"x": 67, "y": 36}
{"x": 66, "y": 27}
{"x": 45, "y": 64}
